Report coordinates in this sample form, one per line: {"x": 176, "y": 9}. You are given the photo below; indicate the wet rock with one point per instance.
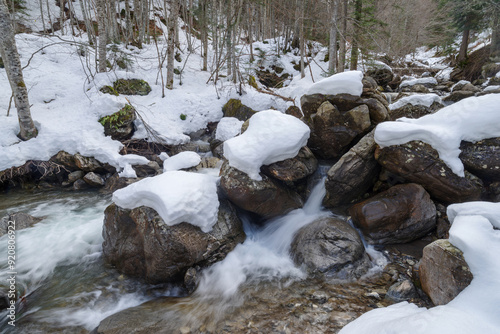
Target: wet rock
{"x": 456, "y": 96}
{"x": 294, "y": 169}
{"x": 80, "y": 185}
{"x": 343, "y": 102}
{"x": 234, "y": 108}
{"x": 131, "y": 87}
{"x": 401, "y": 291}
{"x": 294, "y": 111}
{"x": 116, "y": 182}
{"x": 353, "y": 174}
{"x": 4, "y": 300}
{"x": 333, "y": 131}
{"x": 139, "y": 243}
{"x": 267, "y": 198}
{"x": 381, "y": 75}
{"x": 65, "y": 159}
{"x": 443, "y": 272}
{"x": 120, "y": 125}
{"x": 418, "y": 88}
{"x": 151, "y": 168}
{"x": 93, "y": 179}
{"x": 87, "y": 164}
{"x": 466, "y": 87}
{"x": 414, "y": 111}
{"x": 482, "y": 158}
{"x": 76, "y": 175}
{"x": 419, "y": 163}
{"x": 19, "y": 220}
{"x": 401, "y": 214}
{"x": 331, "y": 247}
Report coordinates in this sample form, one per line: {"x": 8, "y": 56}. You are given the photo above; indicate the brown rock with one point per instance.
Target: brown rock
{"x": 139, "y": 243}
{"x": 93, "y": 179}
{"x": 443, "y": 272}
{"x": 234, "y": 108}
{"x": 267, "y": 198}
{"x": 353, "y": 174}
{"x": 482, "y": 158}
{"x": 88, "y": 164}
{"x": 419, "y": 163}
{"x": 65, "y": 159}
{"x": 294, "y": 169}
{"x": 414, "y": 111}
{"x": 18, "y": 220}
{"x": 401, "y": 214}
{"x": 294, "y": 111}
{"x": 456, "y": 96}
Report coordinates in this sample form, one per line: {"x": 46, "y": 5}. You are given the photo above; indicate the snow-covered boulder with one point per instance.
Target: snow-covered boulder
{"x": 177, "y": 196}
{"x": 140, "y": 243}
{"x": 182, "y": 160}
{"x": 426, "y": 82}
{"x": 228, "y": 128}
{"x": 271, "y": 137}
{"x": 341, "y": 83}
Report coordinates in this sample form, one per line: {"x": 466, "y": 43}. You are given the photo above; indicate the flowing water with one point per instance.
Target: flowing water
{"x": 65, "y": 287}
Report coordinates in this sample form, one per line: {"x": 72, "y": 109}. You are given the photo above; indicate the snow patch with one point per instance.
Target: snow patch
{"x": 177, "y": 197}
{"x": 418, "y": 81}
{"x": 228, "y": 128}
{"x": 181, "y": 160}
{"x": 341, "y": 83}
{"x": 128, "y": 171}
{"x": 471, "y": 119}
{"x": 271, "y": 136}
{"x": 416, "y": 100}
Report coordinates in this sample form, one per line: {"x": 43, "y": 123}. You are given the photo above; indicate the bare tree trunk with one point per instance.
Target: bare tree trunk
{"x": 358, "y": 7}
{"x": 462, "y": 54}
{"x": 229, "y": 37}
{"x": 101, "y": 23}
{"x": 50, "y": 18}
{"x": 41, "y": 14}
{"x": 250, "y": 32}
{"x": 332, "y": 50}
{"x": 12, "y": 63}
{"x": 129, "y": 35}
{"x": 88, "y": 24}
{"x": 495, "y": 37}
{"x": 204, "y": 33}
{"x": 302, "y": 45}
{"x": 343, "y": 40}
{"x": 61, "y": 15}
{"x": 172, "y": 22}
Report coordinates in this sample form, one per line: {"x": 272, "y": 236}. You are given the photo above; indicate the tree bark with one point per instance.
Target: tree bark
{"x": 495, "y": 37}
{"x": 172, "y": 21}
{"x": 12, "y": 63}
{"x": 343, "y": 33}
{"x": 101, "y": 24}
{"x": 358, "y": 7}
{"x": 332, "y": 50}
{"x": 462, "y": 54}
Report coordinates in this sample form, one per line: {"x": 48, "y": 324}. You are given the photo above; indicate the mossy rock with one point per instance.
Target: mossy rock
{"x": 121, "y": 64}
{"x": 234, "y": 108}
{"x": 120, "y": 124}
{"x": 176, "y": 71}
{"x": 178, "y": 58}
{"x": 109, "y": 90}
{"x": 132, "y": 87}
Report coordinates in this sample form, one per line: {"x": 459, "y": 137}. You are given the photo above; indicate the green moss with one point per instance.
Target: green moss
{"x": 21, "y": 84}
{"x": 252, "y": 82}
{"x": 124, "y": 116}
{"x": 178, "y": 57}
{"x": 183, "y": 117}
{"x": 132, "y": 87}
{"x": 109, "y": 90}
{"x": 234, "y": 108}
{"x": 176, "y": 71}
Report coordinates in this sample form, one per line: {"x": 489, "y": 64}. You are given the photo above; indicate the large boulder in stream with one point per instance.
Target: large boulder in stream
{"x": 418, "y": 162}
{"x": 139, "y": 243}
{"x": 293, "y": 169}
{"x": 401, "y": 214}
{"x": 18, "y": 220}
{"x": 331, "y": 247}
{"x": 267, "y": 198}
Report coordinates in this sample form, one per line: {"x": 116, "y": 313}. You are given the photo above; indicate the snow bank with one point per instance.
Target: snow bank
{"x": 341, "y": 83}
{"x": 419, "y": 81}
{"x": 417, "y": 99}
{"x": 181, "y": 160}
{"x": 490, "y": 88}
{"x": 471, "y": 119}
{"x": 228, "y": 128}
{"x": 176, "y": 196}
{"x": 475, "y": 309}
{"x": 271, "y": 136}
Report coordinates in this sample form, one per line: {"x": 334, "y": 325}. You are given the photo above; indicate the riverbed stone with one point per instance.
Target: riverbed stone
{"x": 331, "y": 247}
{"x": 293, "y": 169}
{"x": 401, "y": 214}
{"x": 139, "y": 243}
{"x": 87, "y": 164}
{"x": 482, "y": 158}
{"x": 94, "y": 179}
{"x": 418, "y": 162}
{"x": 353, "y": 174}
{"x": 403, "y": 290}
{"x": 21, "y": 221}
{"x": 456, "y": 96}
{"x": 267, "y": 198}
{"x": 443, "y": 271}
{"x": 76, "y": 175}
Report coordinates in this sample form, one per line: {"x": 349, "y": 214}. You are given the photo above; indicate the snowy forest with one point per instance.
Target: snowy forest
{"x": 249, "y": 166}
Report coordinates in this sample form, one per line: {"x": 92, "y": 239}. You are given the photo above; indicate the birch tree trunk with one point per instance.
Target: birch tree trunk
{"x": 172, "y": 21}
{"x": 101, "y": 23}
{"x": 332, "y": 50}
{"x": 12, "y": 63}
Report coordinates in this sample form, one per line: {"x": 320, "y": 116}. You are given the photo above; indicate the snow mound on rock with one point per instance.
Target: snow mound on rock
{"x": 228, "y": 128}
{"x": 341, "y": 83}
{"x": 177, "y": 197}
{"x": 181, "y": 160}
{"x": 471, "y": 119}
{"x": 419, "y": 81}
{"x": 416, "y": 100}
{"x": 271, "y": 137}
